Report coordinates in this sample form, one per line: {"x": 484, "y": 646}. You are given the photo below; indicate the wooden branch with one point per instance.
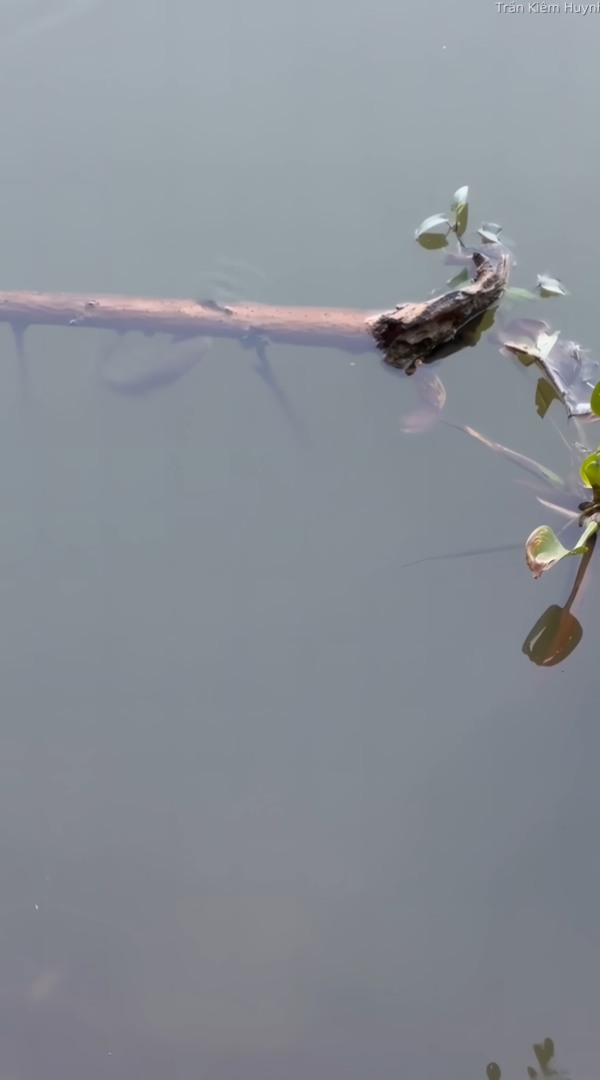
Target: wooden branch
{"x": 406, "y": 336}
{"x": 336, "y": 327}
{"x": 416, "y": 333}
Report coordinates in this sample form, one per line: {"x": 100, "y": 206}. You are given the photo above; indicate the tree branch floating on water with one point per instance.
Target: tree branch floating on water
{"x": 409, "y": 339}
{"x": 412, "y": 333}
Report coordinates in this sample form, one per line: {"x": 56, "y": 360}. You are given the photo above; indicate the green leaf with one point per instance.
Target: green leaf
{"x": 543, "y": 549}
{"x": 516, "y": 293}
{"x": 544, "y": 1052}
{"x": 460, "y": 198}
{"x": 489, "y": 232}
{"x": 548, "y": 286}
{"x": 435, "y": 223}
{"x": 590, "y": 470}
{"x": 461, "y": 219}
{"x": 553, "y": 638}
{"x": 545, "y": 394}
{"x": 460, "y": 209}
{"x": 595, "y": 400}
{"x": 458, "y": 279}
{"x": 432, "y": 241}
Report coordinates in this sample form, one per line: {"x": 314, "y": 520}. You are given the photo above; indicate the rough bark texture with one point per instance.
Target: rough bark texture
{"x": 415, "y": 333}
{"x": 410, "y": 334}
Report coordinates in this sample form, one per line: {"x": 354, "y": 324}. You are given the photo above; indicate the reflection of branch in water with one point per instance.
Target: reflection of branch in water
{"x": 18, "y": 330}
{"x": 31, "y": 452}
{"x": 146, "y": 378}
{"x": 140, "y": 379}
{"x": 263, "y": 368}
{"x": 223, "y": 285}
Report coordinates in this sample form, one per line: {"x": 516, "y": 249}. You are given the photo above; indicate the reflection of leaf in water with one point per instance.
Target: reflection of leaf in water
{"x": 544, "y": 1053}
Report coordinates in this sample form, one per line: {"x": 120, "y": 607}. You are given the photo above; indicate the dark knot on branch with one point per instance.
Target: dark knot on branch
{"x": 416, "y": 333}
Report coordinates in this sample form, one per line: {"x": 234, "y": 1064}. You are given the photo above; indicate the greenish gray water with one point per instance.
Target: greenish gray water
{"x": 273, "y": 804}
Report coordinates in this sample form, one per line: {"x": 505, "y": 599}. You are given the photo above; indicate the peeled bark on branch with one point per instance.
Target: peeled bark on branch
{"x": 416, "y": 333}
{"x": 412, "y": 333}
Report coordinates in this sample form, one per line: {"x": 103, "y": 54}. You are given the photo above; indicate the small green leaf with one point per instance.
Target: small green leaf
{"x": 516, "y": 293}
{"x": 553, "y": 638}
{"x": 460, "y": 198}
{"x": 489, "y": 232}
{"x": 548, "y": 286}
{"x": 590, "y": 470}
{"x": 432, "y": 241}
{"x": 436, "y": 223}
{"x": 461, "y": 219}
{"x": 543, "y": 549}
{"x": 595, "y": 400}
{"x": 545, "y": 394}
{"x": 458, "y": 279}
{"x": 544, "y": 1052}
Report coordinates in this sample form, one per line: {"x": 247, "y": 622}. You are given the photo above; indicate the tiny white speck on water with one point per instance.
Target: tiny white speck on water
{"x": 37, "y": 907}
{"x": 444, "y": 46}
